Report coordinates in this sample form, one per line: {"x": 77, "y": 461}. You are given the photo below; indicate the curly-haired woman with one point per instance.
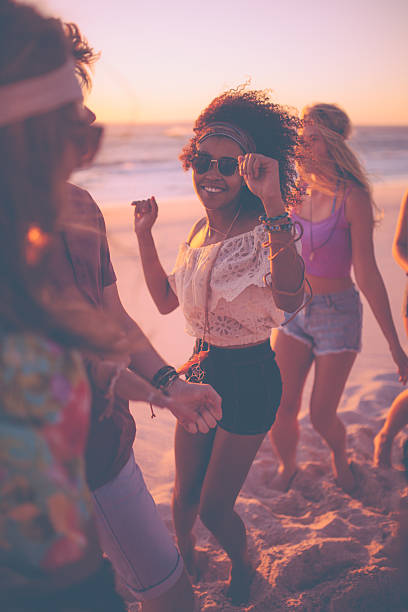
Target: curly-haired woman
{"x": 242, "y": 158}
{"x": 337, "y": 217}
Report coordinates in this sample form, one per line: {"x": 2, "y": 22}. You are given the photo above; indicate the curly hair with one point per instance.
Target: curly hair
{"x": 84, "y": 54}
{"x": 274, "y": 129}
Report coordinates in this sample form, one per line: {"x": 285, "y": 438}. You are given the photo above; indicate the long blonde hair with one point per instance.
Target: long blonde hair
{"x": 335, "y": 128}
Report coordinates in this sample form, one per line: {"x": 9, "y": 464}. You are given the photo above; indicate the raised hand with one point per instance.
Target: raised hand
{"x": 261, "y": 174}
{"x": 146, "y": 212}
{"x": 196, "y": 406}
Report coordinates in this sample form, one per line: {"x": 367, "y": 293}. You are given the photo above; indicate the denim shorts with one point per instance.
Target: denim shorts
{"x": 330, "y": 323}
{"x": 134, "y": 536}
{"x": 249, "y": 383}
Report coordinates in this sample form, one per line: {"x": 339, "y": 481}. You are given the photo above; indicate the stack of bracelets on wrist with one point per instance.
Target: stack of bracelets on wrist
{"x": 162, "y": 380}
{"x": 275, "y": 225}
{"x": 279, "y": 223}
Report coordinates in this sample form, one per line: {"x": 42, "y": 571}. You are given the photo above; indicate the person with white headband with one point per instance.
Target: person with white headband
{"x": 50, "y": 559}
{"x": 131, "y": 533}
{"x": 237, "y": 271}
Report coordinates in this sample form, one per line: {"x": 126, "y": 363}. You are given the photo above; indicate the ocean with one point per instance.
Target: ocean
{"x": 137, "y": 161}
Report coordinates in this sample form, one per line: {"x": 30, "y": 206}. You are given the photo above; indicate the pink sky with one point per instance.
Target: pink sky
{"x": 165, "y": 60}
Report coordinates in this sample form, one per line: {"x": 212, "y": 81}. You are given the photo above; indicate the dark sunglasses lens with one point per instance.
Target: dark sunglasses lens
{"x": 227, "y": 166}
{"x": 201, "y": 163}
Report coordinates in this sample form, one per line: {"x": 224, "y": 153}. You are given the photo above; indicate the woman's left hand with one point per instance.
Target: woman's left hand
{"x": 401, "y": 360}
{"x": 261, "y": 174}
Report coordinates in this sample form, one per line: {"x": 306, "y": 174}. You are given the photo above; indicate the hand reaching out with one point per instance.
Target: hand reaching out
{"x": 196, "y": 406}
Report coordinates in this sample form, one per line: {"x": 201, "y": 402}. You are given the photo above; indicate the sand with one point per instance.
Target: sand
{"x": 315, "y": 548}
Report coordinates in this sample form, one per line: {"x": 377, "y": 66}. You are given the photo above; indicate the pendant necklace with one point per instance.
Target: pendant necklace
{"x": 313, "y": 248}
{"x": 225, "y": 234}
{"x": 193, "y": 365}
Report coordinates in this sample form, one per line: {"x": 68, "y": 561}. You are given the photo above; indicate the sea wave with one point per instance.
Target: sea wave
{"x": 144, "y": 159}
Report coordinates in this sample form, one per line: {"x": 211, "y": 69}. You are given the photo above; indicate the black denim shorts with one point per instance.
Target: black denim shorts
{"x": 249, "y": 383}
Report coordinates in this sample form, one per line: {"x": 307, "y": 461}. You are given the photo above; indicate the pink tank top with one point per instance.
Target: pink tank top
{"x": 326, "y": 244}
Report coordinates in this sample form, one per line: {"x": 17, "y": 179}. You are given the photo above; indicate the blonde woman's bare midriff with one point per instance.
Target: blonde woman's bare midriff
{"x": 321, "y": 285}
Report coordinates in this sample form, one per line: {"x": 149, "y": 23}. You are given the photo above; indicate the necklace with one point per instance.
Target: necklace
{"x": 225, "y": 234}
{"x": 193, "y": 365}
{"x": 313, "y": 248}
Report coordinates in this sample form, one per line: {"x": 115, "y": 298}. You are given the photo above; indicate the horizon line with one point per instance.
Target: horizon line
{"x": 192, "y": 121}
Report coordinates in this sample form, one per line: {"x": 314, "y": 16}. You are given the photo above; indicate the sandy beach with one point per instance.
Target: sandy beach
{"x": 316, "y": 549}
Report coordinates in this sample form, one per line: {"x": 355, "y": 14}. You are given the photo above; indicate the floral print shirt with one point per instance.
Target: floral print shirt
{"x": 44, "y": 501}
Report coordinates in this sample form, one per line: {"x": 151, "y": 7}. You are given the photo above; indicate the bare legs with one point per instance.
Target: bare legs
{"x": 192, "y": 454}
{"x": 396, "y": 420}
{"x": 331, "y": 372}
{"x": 294, "y": 359}
{"x": 210, "y": 471}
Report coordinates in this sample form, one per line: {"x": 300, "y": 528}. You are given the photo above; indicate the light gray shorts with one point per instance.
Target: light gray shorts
{"x": 134, "y": 536}
{"x": 330, "y": 323}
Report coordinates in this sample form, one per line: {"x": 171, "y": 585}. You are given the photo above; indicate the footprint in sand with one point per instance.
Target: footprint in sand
{"x": 320, "y": 562}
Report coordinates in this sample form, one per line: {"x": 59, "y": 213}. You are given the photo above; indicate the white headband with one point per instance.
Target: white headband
{"x": 38, "y": 95}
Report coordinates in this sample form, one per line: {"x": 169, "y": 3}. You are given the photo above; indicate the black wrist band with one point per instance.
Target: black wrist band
{"x": 164, "y": 377}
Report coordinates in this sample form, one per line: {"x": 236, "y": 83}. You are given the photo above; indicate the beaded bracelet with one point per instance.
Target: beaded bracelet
{"x": 283, "y": 227}
{"x": 266, "y": 220}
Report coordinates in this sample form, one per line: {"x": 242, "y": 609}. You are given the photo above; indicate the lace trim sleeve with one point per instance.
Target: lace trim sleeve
{"x": 242, "y": 262}
{"x": 178, "y": 268}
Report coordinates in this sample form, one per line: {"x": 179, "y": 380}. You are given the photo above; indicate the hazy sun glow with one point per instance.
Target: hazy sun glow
{"x": 164, "y": 61}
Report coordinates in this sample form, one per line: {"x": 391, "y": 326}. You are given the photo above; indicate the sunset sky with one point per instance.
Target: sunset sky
{"x": 165, "y": 60}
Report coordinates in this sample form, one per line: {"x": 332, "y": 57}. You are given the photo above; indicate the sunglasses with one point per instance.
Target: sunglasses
{"x": 226, "y": 166}
{"x": 87, "y": 139}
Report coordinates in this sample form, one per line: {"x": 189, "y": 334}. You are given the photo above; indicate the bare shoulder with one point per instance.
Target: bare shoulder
{"x": 358, "y": 203}
{"x": 198, "y": 225}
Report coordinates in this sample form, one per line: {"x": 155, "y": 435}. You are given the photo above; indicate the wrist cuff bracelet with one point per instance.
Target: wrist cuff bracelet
{"x": 164, "y": 377}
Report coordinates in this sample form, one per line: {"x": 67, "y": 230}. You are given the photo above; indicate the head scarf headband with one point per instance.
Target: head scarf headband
{"x": 228, "y": 130}
{"x": 38, "y": 95}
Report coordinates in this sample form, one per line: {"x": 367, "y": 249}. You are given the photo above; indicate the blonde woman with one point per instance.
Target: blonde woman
{"x": 337, "y": 214}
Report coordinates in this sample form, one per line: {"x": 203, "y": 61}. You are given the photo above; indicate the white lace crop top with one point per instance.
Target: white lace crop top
{"x": 241, "y": 308}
